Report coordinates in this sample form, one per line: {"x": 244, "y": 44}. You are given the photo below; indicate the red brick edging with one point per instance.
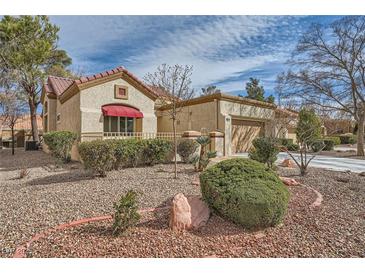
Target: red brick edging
{"x": 20, "y": 251}
{"x": 319, "y": 198}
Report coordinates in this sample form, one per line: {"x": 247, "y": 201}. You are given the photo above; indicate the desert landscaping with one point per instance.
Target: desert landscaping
{"x": 50, "y": 196}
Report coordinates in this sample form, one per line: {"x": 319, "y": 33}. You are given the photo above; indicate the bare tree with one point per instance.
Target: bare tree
{"x": 12, "y": 109}
{"x": 175, "y": 83}
{"x": 327, "y": 70}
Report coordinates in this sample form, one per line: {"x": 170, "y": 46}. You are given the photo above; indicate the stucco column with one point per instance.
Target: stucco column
{"x": 227, "y": 135}
{"x": 217, "y": 142}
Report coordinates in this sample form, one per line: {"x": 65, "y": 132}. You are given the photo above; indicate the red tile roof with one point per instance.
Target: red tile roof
{"x": 58, "y": 85}
{"x": 22, "y": 123}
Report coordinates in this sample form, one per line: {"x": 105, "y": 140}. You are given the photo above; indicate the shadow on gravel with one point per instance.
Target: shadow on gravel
{"x": 59, "y": 178}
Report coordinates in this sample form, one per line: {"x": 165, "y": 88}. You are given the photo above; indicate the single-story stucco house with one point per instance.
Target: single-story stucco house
{"x": 116, "y": 104}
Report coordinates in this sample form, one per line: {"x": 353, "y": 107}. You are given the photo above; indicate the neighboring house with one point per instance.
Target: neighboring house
{"x": 117, "y": 104}
{"x": 22, "y": 130}
{"x": 338, "y": 126}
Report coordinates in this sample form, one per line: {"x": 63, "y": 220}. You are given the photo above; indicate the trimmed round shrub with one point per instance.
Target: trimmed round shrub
{"x": 245, "y": 192}
{"x": 98, "y": 156}
{"x": 186, "y": 149}
{"x": 60, "y": 144}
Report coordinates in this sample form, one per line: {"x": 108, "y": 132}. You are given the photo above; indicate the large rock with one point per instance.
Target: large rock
{"x": 288, "y": 163}
{"x": 289, "y": 181}
{"x": 188, "y": 213}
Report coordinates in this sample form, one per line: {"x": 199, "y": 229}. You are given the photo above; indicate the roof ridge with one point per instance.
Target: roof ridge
{"x": 65, "y": 78}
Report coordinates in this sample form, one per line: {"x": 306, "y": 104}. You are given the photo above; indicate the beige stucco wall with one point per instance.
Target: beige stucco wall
{"x": 201, "y": 117}
{"x": 232, "y": 110}
{"x": 51, "y": 113}
{"x": 93, "y": 98}
{"x": 70, "y": 115}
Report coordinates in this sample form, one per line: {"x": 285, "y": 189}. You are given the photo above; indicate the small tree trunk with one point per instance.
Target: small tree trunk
{"x": 12, "y": 141}
{"x": 175, "y": 146}
{"x": 360, "y": 135}
{"x": 33, "y": 118}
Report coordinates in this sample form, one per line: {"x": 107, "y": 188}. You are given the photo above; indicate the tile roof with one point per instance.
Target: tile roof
{"x": 58, "y": 85}
{"x": 23, "y": 123}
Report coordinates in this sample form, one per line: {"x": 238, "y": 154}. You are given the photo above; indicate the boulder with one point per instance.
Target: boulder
{"x": 289, "y": 181}
{"x": 188, "y": 213}
{"x": 288, "y": 163}
{"x": 180, "y": 217}
{"x": 200, "y": 212}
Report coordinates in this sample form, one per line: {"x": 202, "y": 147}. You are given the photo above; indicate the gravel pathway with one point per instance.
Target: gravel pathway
{"x": 50, "y": 196}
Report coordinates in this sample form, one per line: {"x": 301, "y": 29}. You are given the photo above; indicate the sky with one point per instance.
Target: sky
{"x": 224, "y": 51}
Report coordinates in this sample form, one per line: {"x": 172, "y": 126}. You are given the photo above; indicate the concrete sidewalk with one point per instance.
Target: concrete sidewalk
{"x": 327, "y": 162}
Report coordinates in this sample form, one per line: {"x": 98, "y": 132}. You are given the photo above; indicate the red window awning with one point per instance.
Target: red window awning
{"x": 121, "y": 111}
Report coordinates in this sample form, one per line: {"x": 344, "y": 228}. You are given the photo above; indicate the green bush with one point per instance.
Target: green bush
{"x": 186, "y": 149}
{"x": 126, "y": 213}
{"x": 329, "y": 144}
{"x": 60, "y": 144}
{"x": 155, "y": 151}
{"x": 292, "y": 147}
{"x": 128, "y": 153}
{"x": 98, "y": 156}
{"x": 245, "y": 192}
{"x": 326, "y": 144}
{"x": 336, "y": 139}
{"x": 134, "y": 152}
{"x": 265, "y": 150}
{"x": 317, "y": 145}
{"x": 347, "y": 139}
{"x": 285, "y": 142}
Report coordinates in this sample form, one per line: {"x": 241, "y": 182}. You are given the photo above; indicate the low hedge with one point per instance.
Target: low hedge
{"x": 336, "y": 139}
{"x": 104, "y": 155}
{"x": 348, "y": 138}
{"x": 60, "y": 144}
{"x": 245, "y": 192}
{"x": 326, "y": 144}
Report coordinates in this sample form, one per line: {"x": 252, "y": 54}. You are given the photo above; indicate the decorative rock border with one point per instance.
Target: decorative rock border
{"x": 20, "y": 251}
{"x": 318, "y": 200}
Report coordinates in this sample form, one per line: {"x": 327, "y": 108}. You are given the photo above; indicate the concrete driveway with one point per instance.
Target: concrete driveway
{"x": 327, "y": 162}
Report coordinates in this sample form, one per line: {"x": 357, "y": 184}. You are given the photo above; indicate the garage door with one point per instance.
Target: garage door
{"x": 243, "y": 133}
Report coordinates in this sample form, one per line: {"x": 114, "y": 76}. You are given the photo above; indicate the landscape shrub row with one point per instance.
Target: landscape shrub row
{"x": 347, "y": 138}
{"x": 101, "y": 156}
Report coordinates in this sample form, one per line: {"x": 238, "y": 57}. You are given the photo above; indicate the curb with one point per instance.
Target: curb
{"x": 20, "y": 251}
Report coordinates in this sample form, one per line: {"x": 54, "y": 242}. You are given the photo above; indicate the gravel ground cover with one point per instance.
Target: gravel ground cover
{"x": 301, "y": 235}
{"x": 50, "y": 196}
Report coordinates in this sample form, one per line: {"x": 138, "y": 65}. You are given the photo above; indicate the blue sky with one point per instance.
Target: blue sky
{"x": 224, "y": 50}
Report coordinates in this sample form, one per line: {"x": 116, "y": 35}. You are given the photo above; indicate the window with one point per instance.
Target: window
{"x": 121, "y": 92}
{"x": 58, "y": 117}
{"x": 118, "y": 124}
